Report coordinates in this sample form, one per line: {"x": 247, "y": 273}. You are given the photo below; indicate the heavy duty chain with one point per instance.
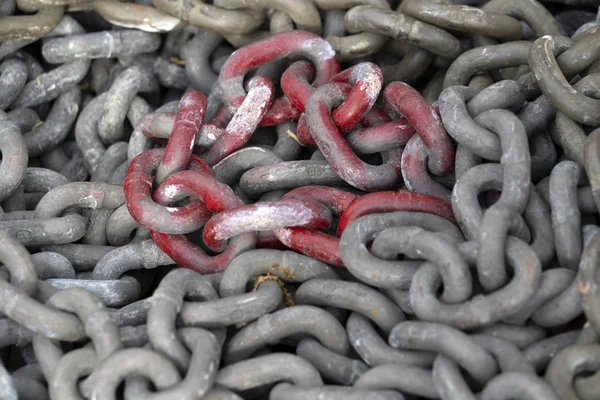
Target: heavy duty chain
{"x": 307, "y": 199}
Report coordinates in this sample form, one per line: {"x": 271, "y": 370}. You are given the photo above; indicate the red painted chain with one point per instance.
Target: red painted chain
{"x": 335, "y": 112}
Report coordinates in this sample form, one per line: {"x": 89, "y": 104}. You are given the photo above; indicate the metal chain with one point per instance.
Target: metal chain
{"x": 312, "y": 199}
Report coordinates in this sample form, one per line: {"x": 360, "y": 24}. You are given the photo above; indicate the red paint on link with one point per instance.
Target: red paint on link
{"x": 244, "y": 122}
{"x": 338, "y": 153}
{"x": 181, "y": 144}
{"x": 407, "y": 101}
{"x": 138, "y": 197}
{"x": 296, "y": 87}
{"x": 335, "y": 199}
{"x": 366, "y": 81}
{"x": 264, "y": 216}
{"x": 218, "y": 197}
{"x": 313, "y": 243}
{"x": 402, "y": 200}
{"x": 273, "y": 48}
{"x": 375, "y": 116}
{"x": 281, "y": 111}
{"x": 303, "y": 131}
{"x": 222, "y": 118}
{"x": 295, "y": 83}
{"x": 188, "y": 255}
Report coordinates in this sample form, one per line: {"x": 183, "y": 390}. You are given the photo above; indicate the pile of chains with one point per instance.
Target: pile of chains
{"x": 300, "y": 199}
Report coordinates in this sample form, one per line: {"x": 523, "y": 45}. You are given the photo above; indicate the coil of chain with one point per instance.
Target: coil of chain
{"x": 308, "y": 199}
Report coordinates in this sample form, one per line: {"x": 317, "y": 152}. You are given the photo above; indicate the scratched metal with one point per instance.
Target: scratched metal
{"x": 308, "y": 199}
